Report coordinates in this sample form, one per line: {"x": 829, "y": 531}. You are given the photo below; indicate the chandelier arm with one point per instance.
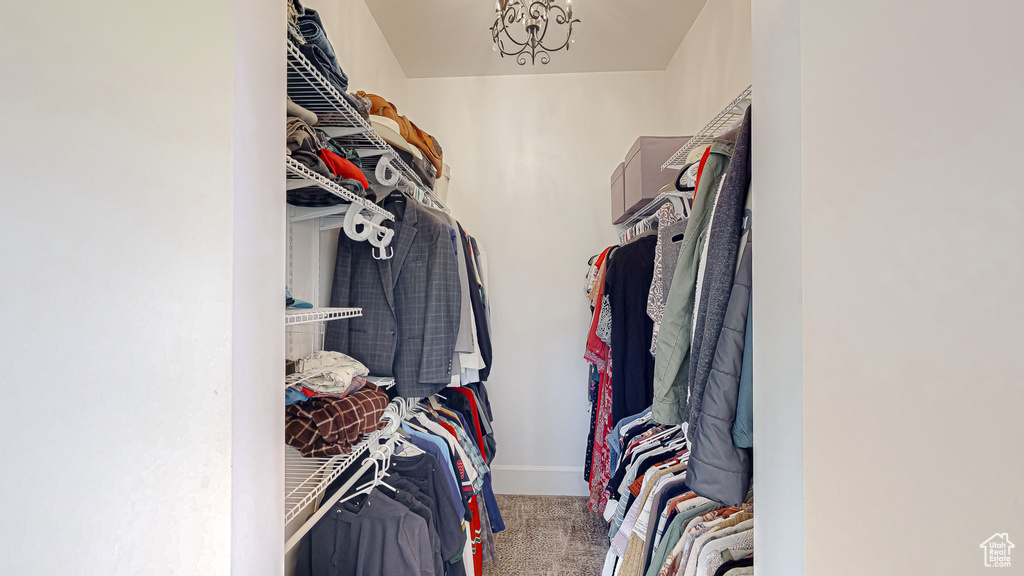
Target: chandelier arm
{"x": 565, "y": 44}
{"x": 496, "y": 31}
{"x": 535, "y": 17}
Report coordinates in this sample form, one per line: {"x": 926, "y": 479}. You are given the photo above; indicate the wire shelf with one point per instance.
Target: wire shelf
{"x": 300, "y": 176}
{"x": 300, "y": 377}
{"x": 307, "y": 315}
{"x": 721, "y": 124}
{"x": 381, "y": 381}
{"x": 308, "y": 88}
{"x": 648, "y": 211}
{"x": 305, "y": 479}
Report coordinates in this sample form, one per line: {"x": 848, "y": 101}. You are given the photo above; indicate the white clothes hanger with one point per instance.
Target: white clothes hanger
{"x": 380, "y": 239}
{"x": 353, "y": 219}
{"x": 385, "y": 173}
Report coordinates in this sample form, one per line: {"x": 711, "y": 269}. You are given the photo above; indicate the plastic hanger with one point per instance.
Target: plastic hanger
{"x": 380, "y": 239}
{"x": 354, "y": 219}
{"x": 385, "y": 173}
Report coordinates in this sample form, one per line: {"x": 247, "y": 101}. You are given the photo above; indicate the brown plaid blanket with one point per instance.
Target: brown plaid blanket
{"x": 324, "y": 426}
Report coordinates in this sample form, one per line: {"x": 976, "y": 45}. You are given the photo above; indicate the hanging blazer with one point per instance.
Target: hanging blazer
{"x": 411, "y": 304}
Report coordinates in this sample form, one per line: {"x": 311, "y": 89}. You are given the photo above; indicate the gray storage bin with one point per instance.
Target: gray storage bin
{"x": 619, "y": 213}
{"x": 643, "y": 174}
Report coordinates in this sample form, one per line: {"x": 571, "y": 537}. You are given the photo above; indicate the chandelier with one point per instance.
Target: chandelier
{"x": 521, "y": 25}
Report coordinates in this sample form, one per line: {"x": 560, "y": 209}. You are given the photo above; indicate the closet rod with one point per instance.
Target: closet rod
{"x": 326, "y": 506}
{"x": 650, "y": 212}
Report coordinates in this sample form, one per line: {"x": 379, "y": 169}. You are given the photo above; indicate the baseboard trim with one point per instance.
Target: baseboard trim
{"x": 539, "y": 480}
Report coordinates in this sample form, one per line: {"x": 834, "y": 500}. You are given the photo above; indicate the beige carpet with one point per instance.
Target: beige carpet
{"x": 549, "y": 536}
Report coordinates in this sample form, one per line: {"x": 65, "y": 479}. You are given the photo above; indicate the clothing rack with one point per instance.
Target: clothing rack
{"x": 308, "y": 88}
{"x": 720, "y": 124}
{"x": 328, "y": 471}
{"x": 646, "y": 218}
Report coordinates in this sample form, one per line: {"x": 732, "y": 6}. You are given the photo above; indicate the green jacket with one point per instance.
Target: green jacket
{"x": 675, "y": 336}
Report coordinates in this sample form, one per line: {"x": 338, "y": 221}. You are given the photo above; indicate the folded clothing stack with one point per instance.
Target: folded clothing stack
{"x": 337, "y": 371}
{"x": 325, "y": 426}
{"x": 314, "y": 149}
{"x": 336, "y": 376}
{"x": 417, "y": 148}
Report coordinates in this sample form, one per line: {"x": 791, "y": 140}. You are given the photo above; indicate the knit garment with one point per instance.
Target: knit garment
{"x": 666, "y": 252}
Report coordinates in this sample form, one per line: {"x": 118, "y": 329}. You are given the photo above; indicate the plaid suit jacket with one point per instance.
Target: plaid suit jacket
{"x": 411, "y": 304}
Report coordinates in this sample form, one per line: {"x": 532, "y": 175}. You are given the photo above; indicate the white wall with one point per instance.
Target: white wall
{"x": 711, "y": 66}
{"x": 257, "y": 407}
{"x": 116, "y": 242}
{"x": 912, "y": 270}
{"x": 777, "y": 308}
{"x": 531, "y": 159}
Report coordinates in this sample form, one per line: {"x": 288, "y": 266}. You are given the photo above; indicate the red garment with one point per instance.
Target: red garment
{"x": 342, "y": 167}
{"x": 700, "y": 170}
{"x": 599, "y": 354}
{"x": 600, "y": 465}
{"x": 477, "y": 536}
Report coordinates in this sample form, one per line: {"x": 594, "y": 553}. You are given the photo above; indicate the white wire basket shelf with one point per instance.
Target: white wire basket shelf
{"x": 299, "y": 177}
{"x": 306, "y": 479}
{"x": 300, "y": 377}
{"x": 308, "y": 88}
{"x": 295, "y": 316}
{"x": 719, "y": 125}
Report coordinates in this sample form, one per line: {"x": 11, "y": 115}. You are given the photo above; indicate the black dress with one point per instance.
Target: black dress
{"x": 627, "y": 284}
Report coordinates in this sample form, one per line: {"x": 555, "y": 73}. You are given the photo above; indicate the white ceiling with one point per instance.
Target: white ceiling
{"x": 442, "y": 38}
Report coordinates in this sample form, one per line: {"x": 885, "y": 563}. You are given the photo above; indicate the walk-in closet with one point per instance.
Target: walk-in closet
{"x": 511, "y": 288}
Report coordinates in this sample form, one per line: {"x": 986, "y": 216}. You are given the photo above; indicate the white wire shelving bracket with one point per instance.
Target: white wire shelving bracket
{"x": 308, "y": 88}
{"x": 719, "y": 125}
{"x": 307, "y": 315}
{"x": 305, "y": 479}
{"x": 299, "y": 176}
{"x": 300, "y": 377}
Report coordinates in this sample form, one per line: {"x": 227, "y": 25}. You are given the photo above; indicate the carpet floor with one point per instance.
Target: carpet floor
{"x": 549, "y": 536}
